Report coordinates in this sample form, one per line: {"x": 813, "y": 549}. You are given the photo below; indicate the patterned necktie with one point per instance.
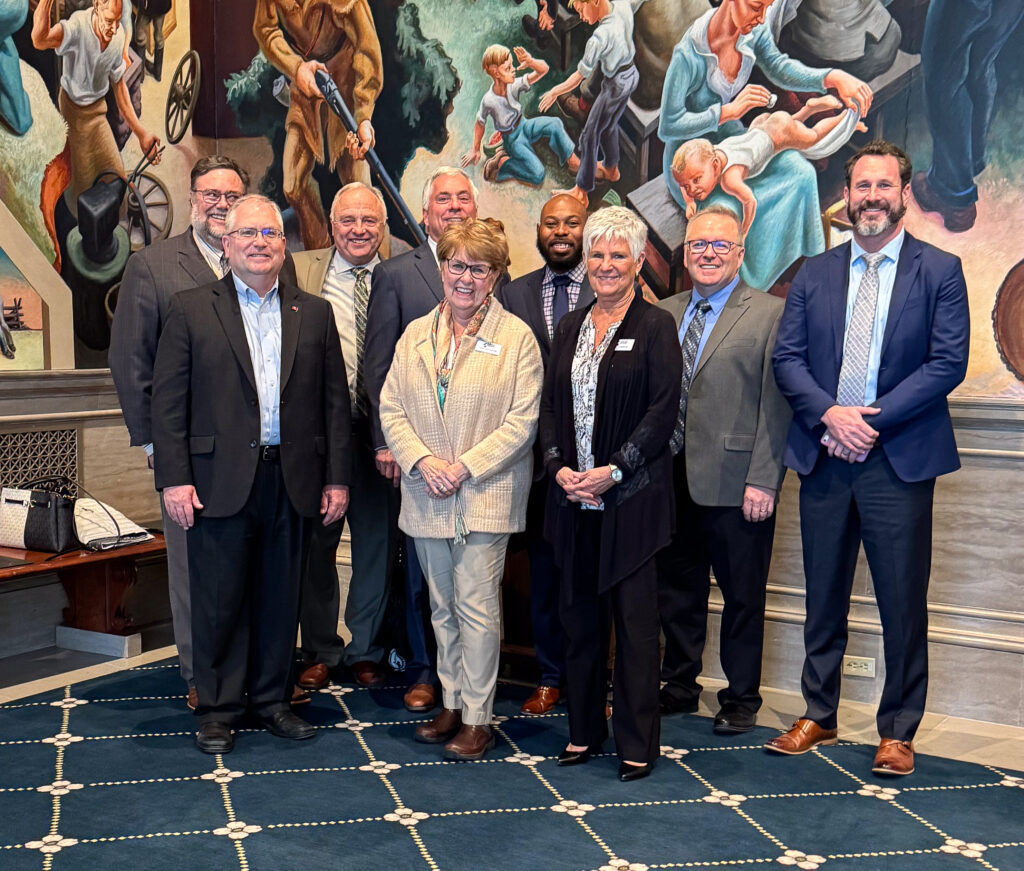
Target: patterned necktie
{"x": 691, "y": 342}
{"x": 854, "y": 371}
{"x": 361, "y": 297}
{"x": 560, "y": 303}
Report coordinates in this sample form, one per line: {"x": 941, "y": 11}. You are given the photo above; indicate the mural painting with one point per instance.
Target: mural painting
{"x": 666, "y": 106}
{"x": 21, "y": 320}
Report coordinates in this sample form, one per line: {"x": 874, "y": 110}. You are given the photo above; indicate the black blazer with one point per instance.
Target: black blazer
{"x": 636, "y": 411}
{"x": 206, "y": 416}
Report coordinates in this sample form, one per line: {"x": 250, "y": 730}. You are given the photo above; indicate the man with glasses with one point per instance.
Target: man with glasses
{"x": 252, "y": 428}
{"x": 727, "y": 473}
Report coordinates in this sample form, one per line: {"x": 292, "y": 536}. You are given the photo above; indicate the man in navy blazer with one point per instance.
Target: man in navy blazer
{"x": 873, "y": 338}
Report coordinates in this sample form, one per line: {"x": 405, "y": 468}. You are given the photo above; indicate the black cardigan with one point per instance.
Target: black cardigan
{"x": 635, "y": 413}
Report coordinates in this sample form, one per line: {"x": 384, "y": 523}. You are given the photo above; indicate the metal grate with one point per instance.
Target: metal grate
{"x": 29, "y": 456}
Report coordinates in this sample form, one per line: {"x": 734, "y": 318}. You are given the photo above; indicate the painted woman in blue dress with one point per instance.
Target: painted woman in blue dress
{"x": 706, "y": 93}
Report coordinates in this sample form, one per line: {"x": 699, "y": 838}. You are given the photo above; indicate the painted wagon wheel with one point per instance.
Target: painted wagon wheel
{"x": 182, "y": 97}
{"x": 1007, "y": 318}
{"x": 149, "y": 210}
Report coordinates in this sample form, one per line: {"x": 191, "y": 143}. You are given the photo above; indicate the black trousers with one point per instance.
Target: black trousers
{"x": 739, "y": 552}
{"x": 842, "y": 505}
{"x": 587, "y": 617}
{"x": 245, "y": 574}
{"x": 374, "y": 544}
{"x": 548, "y": 642}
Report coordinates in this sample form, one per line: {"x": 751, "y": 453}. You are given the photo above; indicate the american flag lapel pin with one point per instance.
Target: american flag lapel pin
{"x": 295, "y": 308}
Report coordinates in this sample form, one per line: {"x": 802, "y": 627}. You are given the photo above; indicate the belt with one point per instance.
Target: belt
{"x": 270, "y": 453}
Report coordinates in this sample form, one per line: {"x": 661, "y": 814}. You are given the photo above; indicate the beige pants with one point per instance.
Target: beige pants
{"x": 465, "y": 610}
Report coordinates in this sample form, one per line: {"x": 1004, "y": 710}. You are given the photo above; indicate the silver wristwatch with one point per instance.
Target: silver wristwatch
{"x": 616, "y": 473}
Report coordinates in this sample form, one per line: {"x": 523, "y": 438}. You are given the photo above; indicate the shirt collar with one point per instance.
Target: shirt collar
{"x": 247, "y": 295}
{"x": 433, "y": 250}
{"x": 576, "y": 274}
{"x": 891, "y": 249}
{"x": 206, "y": 247}
{"x": 341, "y": 265}
{"x": 718, "y": 299}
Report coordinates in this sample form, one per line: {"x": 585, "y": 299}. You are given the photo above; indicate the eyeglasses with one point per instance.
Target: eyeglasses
{"x": 250, "y": 233}
{"x": 477, "y": 270}
{"x": 211, "y": 196}
{"x": 719, "y": 246}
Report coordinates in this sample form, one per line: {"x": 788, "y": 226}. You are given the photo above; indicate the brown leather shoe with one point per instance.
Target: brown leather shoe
{"x": 471, "y": 743}
{"x": 805, "y": 735}
{"x": 894, "y": 757}
{"x": 368, "y": 674}
{"x": 542, "y": 701}
{"x": 192, "y": 699}
{"x": 316, "y": 677}
{"x": 299, "y": 696}
{"x": 419, "y": 698}
{"x": 444, "y": 726}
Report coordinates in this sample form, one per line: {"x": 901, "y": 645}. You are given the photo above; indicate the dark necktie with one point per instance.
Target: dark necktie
{"x": 691, "y": 342}
{"x": 560, "y": 303}
{"x": 361, "y": 297}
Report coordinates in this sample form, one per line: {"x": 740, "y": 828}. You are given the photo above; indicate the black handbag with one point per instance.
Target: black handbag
{"x": 35, "y": 517}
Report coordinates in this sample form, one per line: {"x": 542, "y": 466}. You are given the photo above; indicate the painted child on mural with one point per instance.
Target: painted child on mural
{"x": 515, "y": 159}
{"x": 699, "y": 167}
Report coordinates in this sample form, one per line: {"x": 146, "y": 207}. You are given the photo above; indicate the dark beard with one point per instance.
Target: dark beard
{"x": 560, "y": 265}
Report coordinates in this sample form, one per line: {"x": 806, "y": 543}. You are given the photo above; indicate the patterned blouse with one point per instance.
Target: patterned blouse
{"x": 585, "y": 363}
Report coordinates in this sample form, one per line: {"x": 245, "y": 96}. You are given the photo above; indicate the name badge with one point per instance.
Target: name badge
{"x": 624, "y": 345}
{"x": 488, "y": 348}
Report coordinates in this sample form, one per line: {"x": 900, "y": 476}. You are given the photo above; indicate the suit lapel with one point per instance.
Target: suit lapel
{"x": 317, "y": 273}
{"x": 735, "y": 307}
{"x": 906, "y": 273}
{"x": 535, "y": 308}
{"x": 291, "y": 319}
{"x": 837, "y": 285}
{"x": 427, "y": 266}
{"x": 225, "y": 305}
{"x": 192, "y": 262}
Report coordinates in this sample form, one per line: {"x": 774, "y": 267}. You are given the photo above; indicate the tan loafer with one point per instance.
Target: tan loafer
{"x": 420, "y": 697}
{"x": 316, "y": 677}
{"x": 805, "y": 735}
{"x": 541, "y": 701}
{"x": 894, "y": 757}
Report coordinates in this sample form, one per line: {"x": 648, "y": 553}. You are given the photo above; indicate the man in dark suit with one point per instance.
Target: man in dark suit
{"x": 540, "y": 298}
{"x": 403, "y": 289}
{"x": 727, "y": 472}
{"x": 151, "y": 278}
{"x": 251, "y": 423}
{"x": 874, "y": 336}
{"x": 341, "y": 275}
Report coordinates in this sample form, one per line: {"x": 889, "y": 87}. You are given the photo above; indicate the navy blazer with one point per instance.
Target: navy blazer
{"x": 924, "y": 356}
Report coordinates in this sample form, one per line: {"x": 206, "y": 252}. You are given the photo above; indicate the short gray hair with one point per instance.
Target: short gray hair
{"x": 229, "y": 219}
{"x": 447, "y": 170}
{"x": 615, "y": 222}
{"x": 722, "y": 211}
{"x": 358, "y": 185}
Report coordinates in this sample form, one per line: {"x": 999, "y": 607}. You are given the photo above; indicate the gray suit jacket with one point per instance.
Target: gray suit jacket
{"x": 736, "y": 417}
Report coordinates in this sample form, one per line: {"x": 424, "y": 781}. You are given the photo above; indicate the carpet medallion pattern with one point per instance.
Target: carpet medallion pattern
{"x": 104, "y": 775}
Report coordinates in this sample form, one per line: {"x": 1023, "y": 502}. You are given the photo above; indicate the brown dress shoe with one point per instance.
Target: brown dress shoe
{"x": 894, "y": 757}
{"x": 419, "y": 698}
{"x": 192, "y": 699}
{"x": 316, "y": 677}
{"x": 805, "y": 735}
{"x": 299, "y": 696}
{"x": 444, "y": 726}
{"x": 368, "y": 674}
{"x": 542, "y": 701}
{"x": 471, "y": 743}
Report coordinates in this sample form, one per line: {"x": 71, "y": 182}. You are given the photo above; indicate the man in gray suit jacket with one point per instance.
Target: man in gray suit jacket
{"x": 727, "y": 472}
{"x": 540, "y": 298}
{"x": 152, "y": 277}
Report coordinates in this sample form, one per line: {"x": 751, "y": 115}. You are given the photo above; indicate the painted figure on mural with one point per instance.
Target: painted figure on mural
{"x": 338, "y": 37}
{"x": 515, "y": 158}
{"x": 150, "y": 13}
{"x": 91, "y": 43}
{"x": 707, "y": 93}
{"x": 14, "y": 107}
{"x": 699, "y": 167}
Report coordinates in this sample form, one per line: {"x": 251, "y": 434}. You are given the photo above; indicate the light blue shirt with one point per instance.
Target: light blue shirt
{"x": 886, "y": 280}
{"x": 718, "y": 300}
{"x": 262, "y": 321}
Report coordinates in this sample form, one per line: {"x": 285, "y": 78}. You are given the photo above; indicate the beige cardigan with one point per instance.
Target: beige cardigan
{"x": 489, "y": 422}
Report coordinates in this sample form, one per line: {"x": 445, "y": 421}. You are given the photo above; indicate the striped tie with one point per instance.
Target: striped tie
{"x": 361, "y": 298}
{"x": 691, "y": 342}
{"x": 854, "y": 371}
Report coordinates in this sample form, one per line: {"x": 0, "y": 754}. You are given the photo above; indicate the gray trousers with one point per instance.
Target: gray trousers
{"x": 141, "y": 33}
{"x": 178, "y": 589}
{"x": 465, "y": 610}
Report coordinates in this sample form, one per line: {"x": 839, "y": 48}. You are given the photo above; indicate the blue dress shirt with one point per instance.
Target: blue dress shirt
{"x": 718, "y": 300}
{"x": 262, "y": 321}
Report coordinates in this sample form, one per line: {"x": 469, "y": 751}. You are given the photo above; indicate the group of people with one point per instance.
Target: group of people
{"x": 639, "y": 447}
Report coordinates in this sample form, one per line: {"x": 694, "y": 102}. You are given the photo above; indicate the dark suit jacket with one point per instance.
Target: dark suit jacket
{"x": 736, "y": 418}
{"x": 402, "y": 289}
{"x": 206, "y": 415}
{"x": 151, "y": 278}
{"x": 924, "y": 356}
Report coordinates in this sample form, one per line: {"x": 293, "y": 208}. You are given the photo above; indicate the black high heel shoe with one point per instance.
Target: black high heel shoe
{"x": 578, "y": 757}
{"x": 629, "y": 772}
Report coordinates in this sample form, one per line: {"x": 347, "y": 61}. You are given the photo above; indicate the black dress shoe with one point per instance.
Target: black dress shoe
{"x": 629, "y": 772}
{"x": 215, "y": 738}
{"x": 733, "y": 721}
{"x": 284, "y": 724}
{"x": 577, "y": 757}
{"x": 669, "y": 704}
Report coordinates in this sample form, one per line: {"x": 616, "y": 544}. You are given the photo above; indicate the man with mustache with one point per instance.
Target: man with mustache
{"x": 874, "y": 336}
{"x": 541, "y": 298}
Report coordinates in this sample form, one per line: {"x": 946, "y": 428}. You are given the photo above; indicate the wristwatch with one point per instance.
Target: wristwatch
{"x": 616, "y": 473}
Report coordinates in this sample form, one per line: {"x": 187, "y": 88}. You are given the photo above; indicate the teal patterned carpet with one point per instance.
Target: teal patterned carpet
{"x": 104, "y": 775}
